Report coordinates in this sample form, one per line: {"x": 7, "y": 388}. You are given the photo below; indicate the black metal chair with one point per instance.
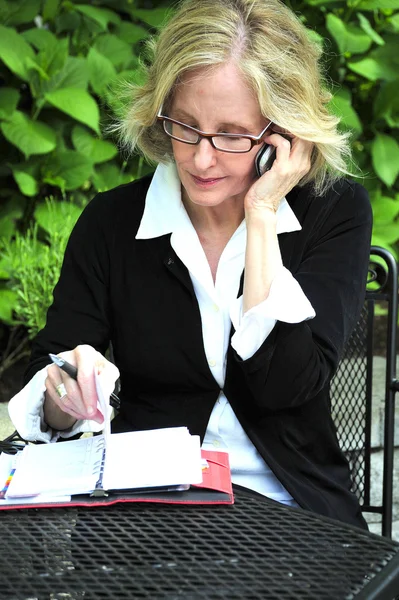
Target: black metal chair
{"x": 352, "y": 386}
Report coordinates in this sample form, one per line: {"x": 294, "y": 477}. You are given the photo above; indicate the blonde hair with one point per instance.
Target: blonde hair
{"x": 278, "y": 59}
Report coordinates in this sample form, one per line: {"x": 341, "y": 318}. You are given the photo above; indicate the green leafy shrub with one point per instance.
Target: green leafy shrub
{"x": 58, "y": 63}
{"x": 30, "y": 265}
{"x": 362, "y": 44}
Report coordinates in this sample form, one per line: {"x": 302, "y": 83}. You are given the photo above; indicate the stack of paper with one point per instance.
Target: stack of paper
{"x": 168, "y": 457}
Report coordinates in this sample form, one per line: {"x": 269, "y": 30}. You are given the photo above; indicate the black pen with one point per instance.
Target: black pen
{"x": 73, "y": 372}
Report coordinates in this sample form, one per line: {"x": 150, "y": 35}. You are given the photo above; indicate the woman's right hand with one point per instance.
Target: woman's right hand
{"x": 80, "y": 401}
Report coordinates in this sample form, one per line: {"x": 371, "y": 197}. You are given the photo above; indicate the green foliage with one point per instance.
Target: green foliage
{"x": 59, "y": 62}
{"x": 361, "y": 42}
{"x": 31, "y": 263}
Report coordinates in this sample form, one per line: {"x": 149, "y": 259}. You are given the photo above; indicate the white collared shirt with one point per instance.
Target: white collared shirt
{"x": 219, "y": 306}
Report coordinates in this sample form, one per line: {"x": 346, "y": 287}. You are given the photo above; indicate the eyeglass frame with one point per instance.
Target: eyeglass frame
{"x": 254, "y": 139}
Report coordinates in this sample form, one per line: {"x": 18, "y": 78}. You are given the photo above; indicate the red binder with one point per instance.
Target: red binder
{"x": 216, "y": 488}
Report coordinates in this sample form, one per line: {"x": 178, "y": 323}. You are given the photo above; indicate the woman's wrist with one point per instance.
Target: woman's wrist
{"x": 262, "y": 258}
{"x": 261, "y": 219}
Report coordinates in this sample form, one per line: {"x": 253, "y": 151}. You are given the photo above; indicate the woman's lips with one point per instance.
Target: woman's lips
{"x": 205, "y": 183}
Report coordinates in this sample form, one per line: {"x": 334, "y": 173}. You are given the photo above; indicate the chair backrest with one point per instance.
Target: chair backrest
{"x": 362, "y": 421}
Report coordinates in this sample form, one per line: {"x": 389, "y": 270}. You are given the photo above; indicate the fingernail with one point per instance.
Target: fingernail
{"x": 90, "y": 410}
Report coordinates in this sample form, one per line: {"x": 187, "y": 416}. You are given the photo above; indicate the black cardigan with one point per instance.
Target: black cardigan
{"x": 139, "y": 295}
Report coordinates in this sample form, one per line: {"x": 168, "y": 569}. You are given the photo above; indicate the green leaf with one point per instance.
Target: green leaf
{"x": 14, "y": 51}
{"x": 109, "y": 176}
{"x": 388, "y": 233}
{"x": 101, "y": 71}
{"x": 394, "y": 22}
{"x": 372, "y": 69}
{"x": 367, "y": 28}
{"x": 31, "y": 137}
{"x": 67, "y": 21}
{"x": 8, "y": 301}
{"x": 32, "y": 64}
{"x": 9, "y": 98}
{"x": 315, "y": 37}
{"x": 52, "y": 216}
{"x": 54, "y": 180}
{"x": 348, "y": 37}
{"x": 51, "y": 58}
{"x": 154, "y": 17}
{"x": 116, "y": 50}
{"x": 78, "y": 104}
{"x": 321, "y": 2}
{"x": 17, "y": 12}
{"x": 70, "y": 167}
{"x": 385, "y": 210}
{"x": 341, "y": 105}
{"x": 96, "y": 150}
{"x": 39, "y": 38}
{"x": 386, "y": 104}
{"x": 381, "y": 63}
{"x": 74, "y": 74}
{"x": 375, "y": 4}
{"x": 5, "y": 11}
{"x": 54, "y": 57}
{"x": 102, "y": 16}
{"x": 130, "y": 33}
{"x": 50, "y": 9}
{"x": 385, "y": 158}
{"x": 26, "y": 183}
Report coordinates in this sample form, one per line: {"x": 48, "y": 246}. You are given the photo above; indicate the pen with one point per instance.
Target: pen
{"x": 73, "y": 372}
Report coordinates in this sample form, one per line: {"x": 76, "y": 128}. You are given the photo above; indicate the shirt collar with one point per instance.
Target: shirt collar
{"x": 164, "y": 210}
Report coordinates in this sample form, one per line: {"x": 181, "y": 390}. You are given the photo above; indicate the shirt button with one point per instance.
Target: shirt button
{"x": 215, "y": 308}
{"x": 212, "y": 363}
{"x": 216, "y": 443}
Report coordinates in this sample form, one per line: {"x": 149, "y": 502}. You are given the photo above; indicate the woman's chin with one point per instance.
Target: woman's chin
{"x": 204, "y": 198}
{"x": 207, "y": 194}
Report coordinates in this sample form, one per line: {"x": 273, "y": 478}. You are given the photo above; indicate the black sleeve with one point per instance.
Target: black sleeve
{"x": 297, "y": 361}
{"x": 79, "y": 313}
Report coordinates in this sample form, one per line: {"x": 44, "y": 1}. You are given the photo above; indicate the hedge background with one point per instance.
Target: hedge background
{"x": 60, "y": 61}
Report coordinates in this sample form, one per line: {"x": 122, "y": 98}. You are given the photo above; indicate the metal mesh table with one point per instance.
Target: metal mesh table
{"x": 253, "y": 549}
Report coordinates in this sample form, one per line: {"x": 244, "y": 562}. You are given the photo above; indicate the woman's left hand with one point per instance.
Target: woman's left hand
{"x": 292, "y": 162}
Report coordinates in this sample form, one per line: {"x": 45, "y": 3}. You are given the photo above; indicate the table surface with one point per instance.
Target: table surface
{"x": 253, "y": 549}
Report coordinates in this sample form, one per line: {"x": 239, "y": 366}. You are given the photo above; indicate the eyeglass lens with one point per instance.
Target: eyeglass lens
{"x": 187, "y": 135}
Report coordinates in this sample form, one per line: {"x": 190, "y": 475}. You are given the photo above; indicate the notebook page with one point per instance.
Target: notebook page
{"x": 160, "y": 457}
{"x": 63, "y": 468}
{"x": 7, "y": 462}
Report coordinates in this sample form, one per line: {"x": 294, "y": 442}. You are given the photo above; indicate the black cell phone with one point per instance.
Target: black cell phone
{"x": 265, "y": 158}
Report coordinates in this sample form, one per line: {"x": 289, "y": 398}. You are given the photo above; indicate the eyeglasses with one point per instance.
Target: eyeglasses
{"x": 226, "y": 142}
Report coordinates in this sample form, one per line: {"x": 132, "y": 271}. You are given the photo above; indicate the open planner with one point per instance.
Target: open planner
{"x": 163, "y": 465}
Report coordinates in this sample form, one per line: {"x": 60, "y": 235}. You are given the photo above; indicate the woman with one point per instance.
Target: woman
{"x": 227, "y": 297}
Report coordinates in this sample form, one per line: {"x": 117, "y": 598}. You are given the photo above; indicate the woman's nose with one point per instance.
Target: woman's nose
{"x": 205, "y": 155}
